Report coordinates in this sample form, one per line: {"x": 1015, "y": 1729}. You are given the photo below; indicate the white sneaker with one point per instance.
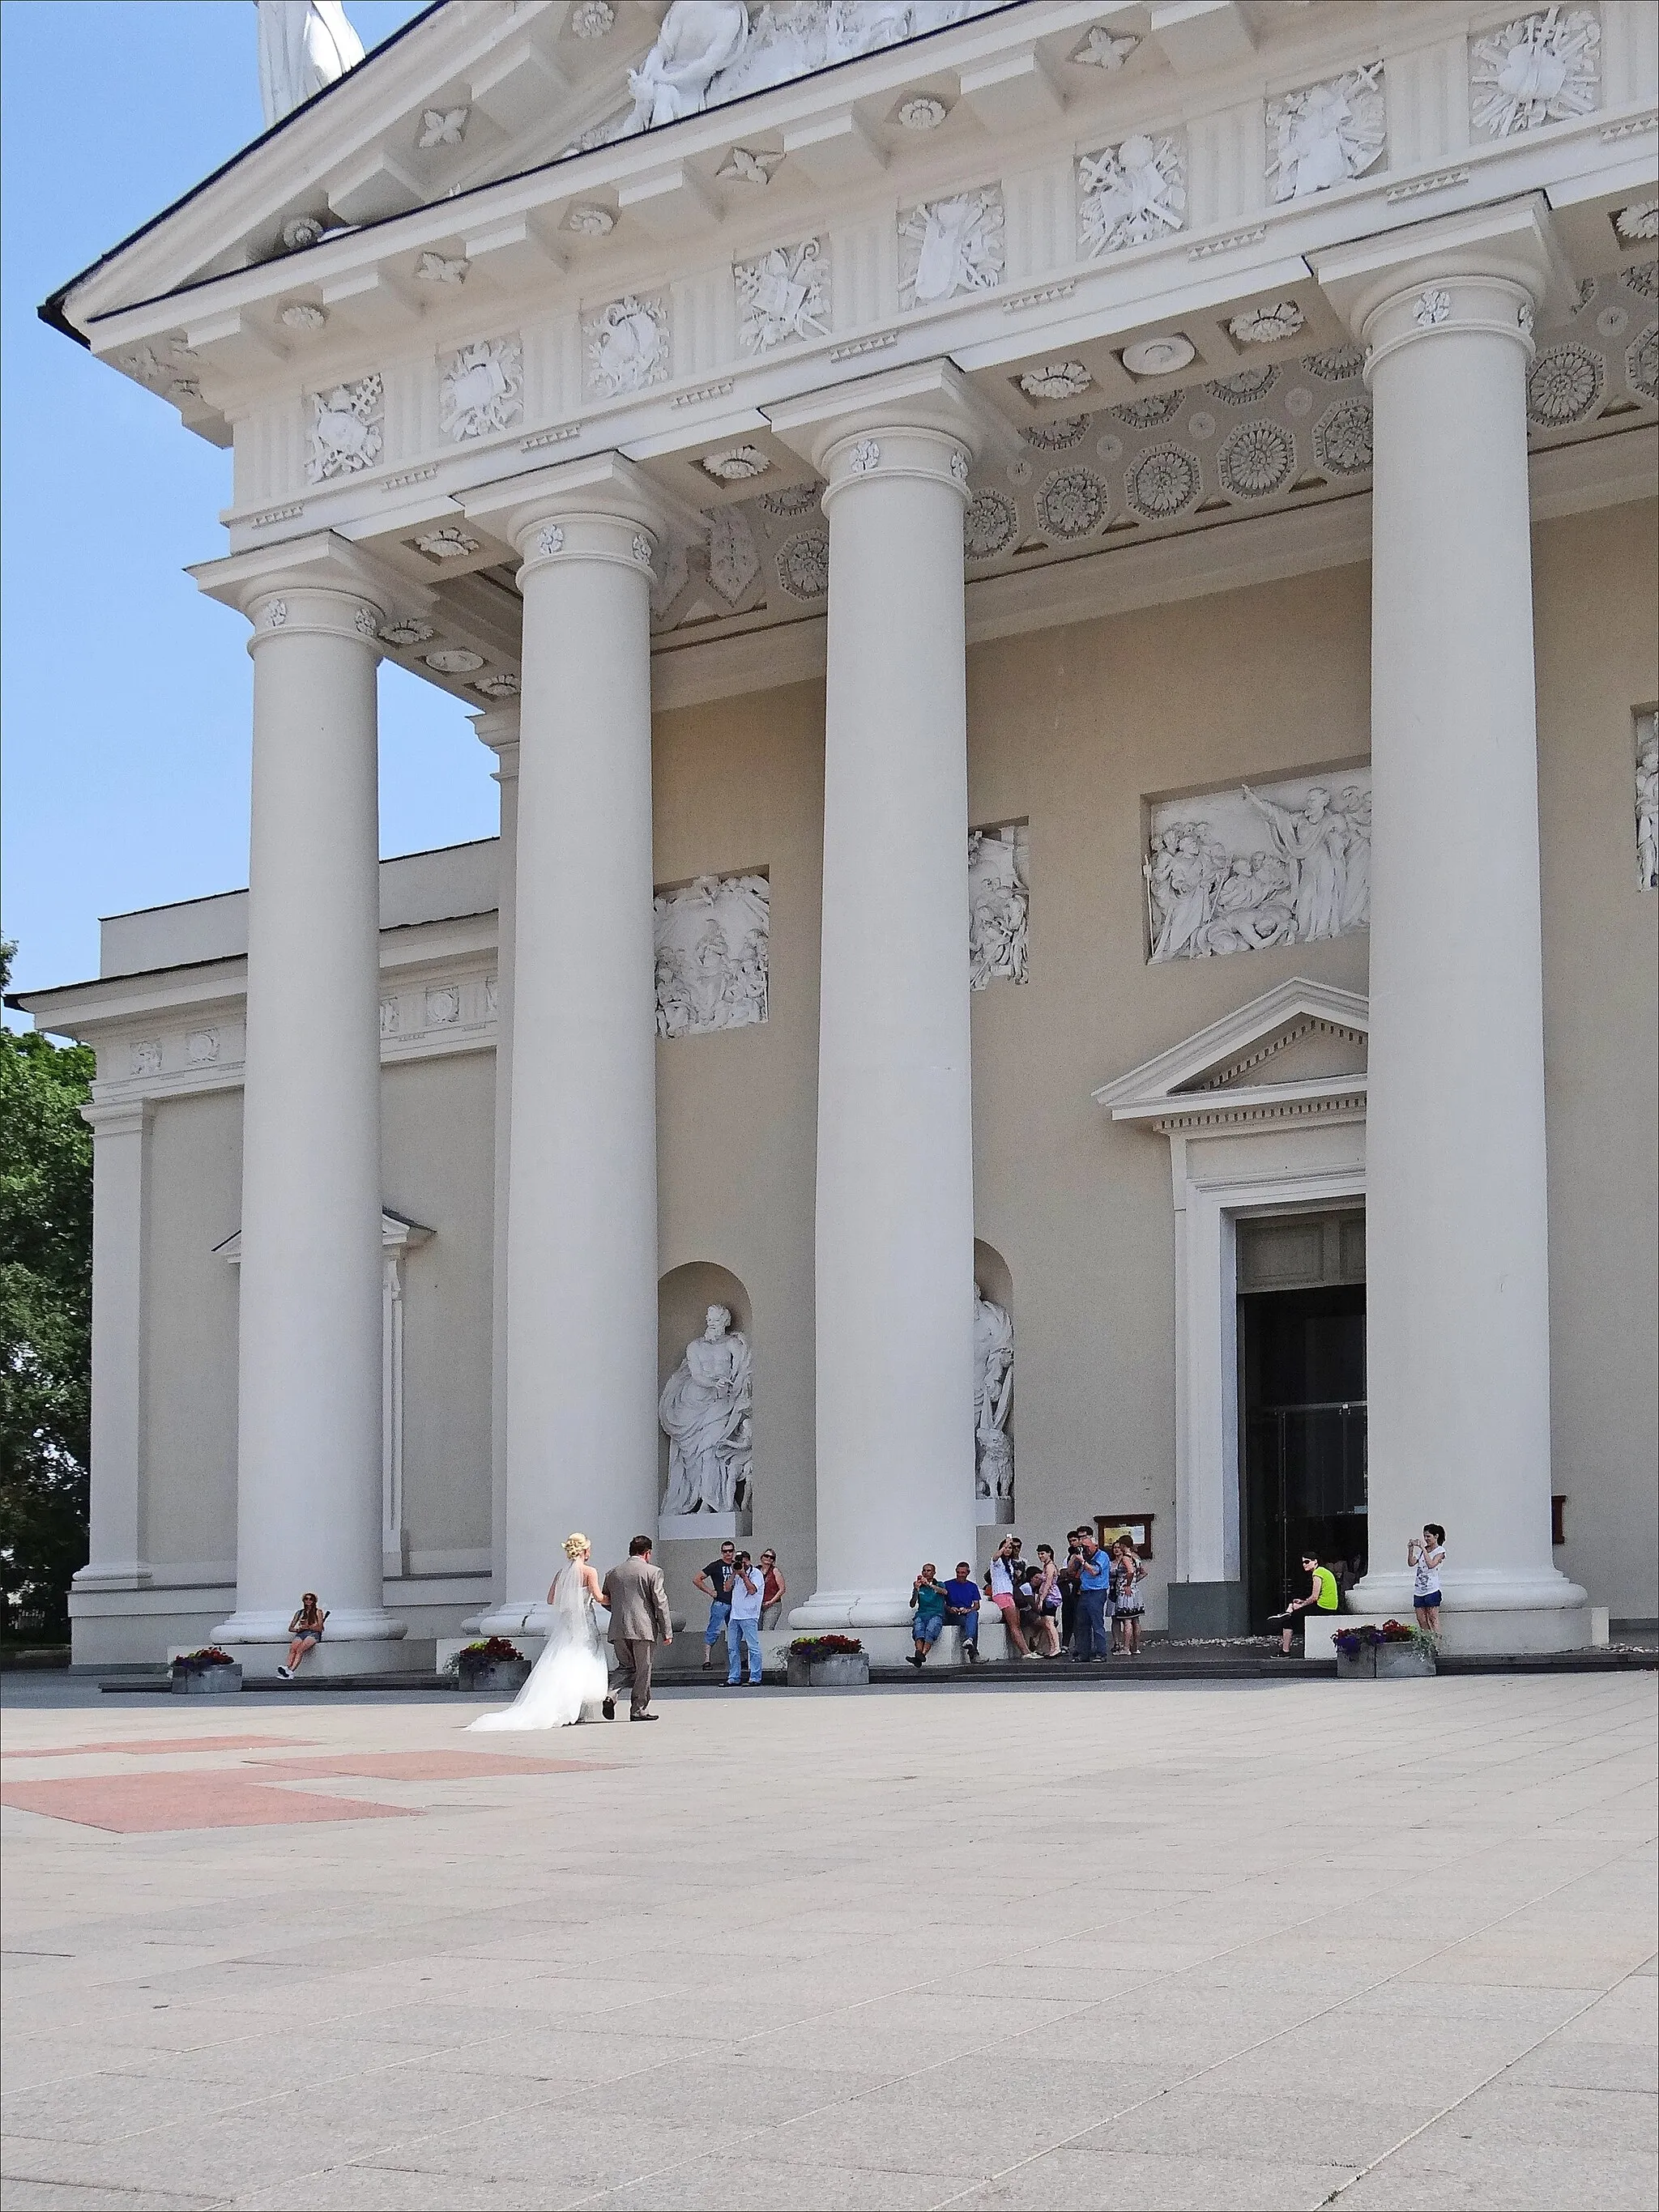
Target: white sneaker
{"x": 287, "y": 1674}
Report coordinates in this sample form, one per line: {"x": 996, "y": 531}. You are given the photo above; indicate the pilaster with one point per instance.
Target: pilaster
{"x": 119, "y": 1185}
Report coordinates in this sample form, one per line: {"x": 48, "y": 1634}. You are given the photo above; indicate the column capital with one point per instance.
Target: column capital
{"x": 499, "y": 730}
{"x": 116, "y": 1117}
{"x": 320, "y": 585}
{"x": 1481, "y": 267}
{"x": 932, "y": 400}
{"x": 600, "y": 509}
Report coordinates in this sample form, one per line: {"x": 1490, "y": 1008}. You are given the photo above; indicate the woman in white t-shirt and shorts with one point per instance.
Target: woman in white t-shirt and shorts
{"x": 1424, "y": 1555}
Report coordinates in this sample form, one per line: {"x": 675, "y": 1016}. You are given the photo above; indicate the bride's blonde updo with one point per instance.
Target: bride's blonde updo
{"x": 576, "y": 1546}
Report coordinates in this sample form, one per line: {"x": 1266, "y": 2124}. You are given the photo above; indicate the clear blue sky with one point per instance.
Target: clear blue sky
{"x": 126, "y": 694}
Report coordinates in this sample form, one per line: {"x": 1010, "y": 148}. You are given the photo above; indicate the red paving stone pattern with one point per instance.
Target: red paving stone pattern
{"x": 162, "y": 1743}
{"x": 421, "y": 1766}
{"x": 151, "y": 1804}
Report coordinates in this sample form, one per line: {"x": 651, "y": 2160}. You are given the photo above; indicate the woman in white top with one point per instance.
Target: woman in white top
{"x": 1000, "y": 1584}
{"x": 1424, "y": 1555}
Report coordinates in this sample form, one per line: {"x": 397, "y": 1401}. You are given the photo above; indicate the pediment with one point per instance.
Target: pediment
{"x": 398, "y": 1234}
{"x": 473, "y": 93}
{"x": 1301, "y": 1044}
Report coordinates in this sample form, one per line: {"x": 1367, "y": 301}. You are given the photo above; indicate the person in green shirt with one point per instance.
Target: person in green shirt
{"x": 1323, "y": 1596}
{"x": 928, "y": 1600}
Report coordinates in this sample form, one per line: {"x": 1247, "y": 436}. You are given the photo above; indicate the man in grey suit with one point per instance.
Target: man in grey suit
{"x": 638, "y": 1600}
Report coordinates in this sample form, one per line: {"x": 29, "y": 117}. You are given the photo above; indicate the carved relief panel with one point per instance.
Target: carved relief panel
{"x": 1234, "y": 871}
{"x": 999, "y": 897}
{"x": 711, "y": 942}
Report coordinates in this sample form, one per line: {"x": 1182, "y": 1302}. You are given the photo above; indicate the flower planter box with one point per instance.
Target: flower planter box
{"x": 800, "y": 1671}
{"x": 210, "y": 1683}
{"x": 496, "y": 1677}
{"x": 1384, "y": 1663}
{"x": 845, "y": 1672}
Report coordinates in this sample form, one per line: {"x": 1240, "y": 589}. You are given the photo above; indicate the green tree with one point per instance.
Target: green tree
{"x": 46, "y": 1326}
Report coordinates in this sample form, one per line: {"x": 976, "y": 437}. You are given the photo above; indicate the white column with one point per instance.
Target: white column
{"x": 309, "y": 1471}
{"x": 499, "y": 730}
{"x": 581, "y": 1234}
{"x": 1457, "y": 1247}
{"x": 116, "y": 1550}
{"x": 895, "y": 1164}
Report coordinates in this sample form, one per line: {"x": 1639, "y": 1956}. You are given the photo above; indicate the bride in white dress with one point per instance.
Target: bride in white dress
{"x": 572, "y": 1671}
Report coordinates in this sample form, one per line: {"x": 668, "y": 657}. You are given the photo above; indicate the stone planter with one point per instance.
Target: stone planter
{"x": 845, "y": 1671}
{"x": 1384, "y": 1663}
{"x": 212, "y": 1682}
{"x": 496, "y": 1678}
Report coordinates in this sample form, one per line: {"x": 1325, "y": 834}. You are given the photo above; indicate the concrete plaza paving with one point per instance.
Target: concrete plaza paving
{"x": 1278, "y": 1945}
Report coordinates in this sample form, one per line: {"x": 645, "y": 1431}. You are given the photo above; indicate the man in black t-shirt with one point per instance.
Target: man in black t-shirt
{"x": 716, "y": 1580}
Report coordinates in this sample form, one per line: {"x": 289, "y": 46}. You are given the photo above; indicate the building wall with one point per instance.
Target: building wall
{"x": 1596, "y": 587}
{"x": 194, "y": 1202}
{"x": 1072, "y": 729}
{"x": 739, "y": 786}
{"x": 438, "y": 1164}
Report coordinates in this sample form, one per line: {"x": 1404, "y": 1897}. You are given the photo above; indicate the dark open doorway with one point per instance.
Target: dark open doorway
{"x": 1302, "y": 1402}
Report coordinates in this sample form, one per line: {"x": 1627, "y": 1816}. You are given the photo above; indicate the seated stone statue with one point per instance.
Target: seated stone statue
{"x": 705, "y": 1414}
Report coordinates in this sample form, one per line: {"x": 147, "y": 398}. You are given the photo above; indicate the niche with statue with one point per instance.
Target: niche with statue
{"x": 994, "y": 1387}
{"x": 705, "y": 1404}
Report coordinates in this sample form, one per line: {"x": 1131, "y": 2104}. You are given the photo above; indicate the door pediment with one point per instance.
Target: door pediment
{"x": 1299, "y": 1050}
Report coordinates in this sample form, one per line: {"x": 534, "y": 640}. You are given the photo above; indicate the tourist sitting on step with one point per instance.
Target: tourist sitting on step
{"x": 961, "y": 1609}
{"x": 1321, "y": 1596}
{"x": 929, "y": 1603}
{"x": 306, "y": 1630}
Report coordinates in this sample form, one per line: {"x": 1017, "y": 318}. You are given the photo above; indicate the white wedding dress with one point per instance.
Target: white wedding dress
{"x": 572, "y": 1671}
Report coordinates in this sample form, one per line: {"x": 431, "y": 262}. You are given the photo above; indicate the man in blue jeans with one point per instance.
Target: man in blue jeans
{"x": 716, "y": 1580}
{"x": 961, "y": 1596}
{"x": 743, "y": 1628}
{"x": 1092, "y": 1639}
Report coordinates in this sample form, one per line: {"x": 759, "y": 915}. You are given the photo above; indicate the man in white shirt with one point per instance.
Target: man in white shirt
{"x": 743, "y": 1630}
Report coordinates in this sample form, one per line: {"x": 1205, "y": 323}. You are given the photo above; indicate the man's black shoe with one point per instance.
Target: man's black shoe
{"x": 608, "y": 1709}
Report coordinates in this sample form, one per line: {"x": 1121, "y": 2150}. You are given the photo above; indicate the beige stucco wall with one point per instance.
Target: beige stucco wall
{"x": 1596, "y": 591}
{"x": 437, "y": 1151}
{"x": 739, "y": 785}
{"x": 193, "y": 1201}
{"x": 1073, "y": 729}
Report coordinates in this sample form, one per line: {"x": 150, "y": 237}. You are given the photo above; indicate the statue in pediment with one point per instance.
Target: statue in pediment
{"x": 697, "y": 40}
{"x": 304, "y": 46}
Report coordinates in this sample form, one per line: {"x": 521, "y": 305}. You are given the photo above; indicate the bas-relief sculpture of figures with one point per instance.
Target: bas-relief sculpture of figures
{"x": 1647, "y": 802}
{"x": 999, "y": 901}
{"x": 1327, "y": 133}
{"x": 705, "y": 1412}
{"x": 304, "y": 44}
{"x": 710, "y": 51}
{"x": 712, "y": 940}
{"x": 1236, "y": 871}
{"x": 994, "y": 1398}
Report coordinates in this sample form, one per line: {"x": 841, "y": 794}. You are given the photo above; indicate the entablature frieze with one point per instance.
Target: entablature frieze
{"x": 1102, "y": 214}
{"x": 181, "y": 1033}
